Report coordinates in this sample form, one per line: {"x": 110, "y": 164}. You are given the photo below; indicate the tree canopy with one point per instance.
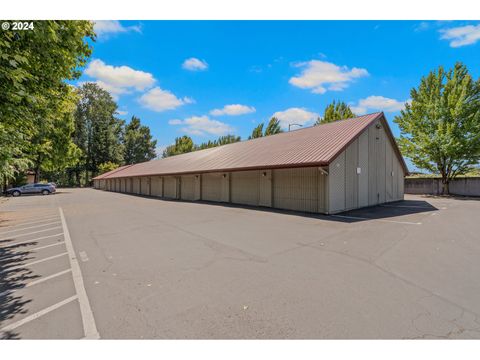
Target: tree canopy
{"x": 273, "y": 127}
{"x": 183, "y": 144}
{"x": 257, "y": 132}
{"x": 138, "y": 143}
{"x": 335, "y": 111}
{"x": 97, "y": 131}
{"x": 33, "y": 68}
{"x": 440, "y": 128}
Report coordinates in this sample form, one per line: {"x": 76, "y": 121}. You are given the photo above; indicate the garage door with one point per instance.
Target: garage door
{"x": 170, "y": 187}
{"x": 145, "y": 186}
{"x": 122, "y": 185}
{"x": 245, "y": 187}
{"x": 296, "y": 189}
{"x": 156, "y": 186}
{"x": 136, "y": 185}
{"x": 212, "y": 187}
{"x": 117, "y": 185}
{"x": 187, "y": 187}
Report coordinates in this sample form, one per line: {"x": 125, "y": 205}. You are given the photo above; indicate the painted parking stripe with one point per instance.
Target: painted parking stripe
{"x": 31, "y": 218}
{"x": 31, "y": 240}
{"x": 382, "y": 220}
{"x": 31, "y": 233}
{"x": 35, "y": 262}
{"x": 47, "y": 246}
{"x": 30, "y": 222}
{"x": 30, "y": 227}
{"x": 38, "y": 314}
{"x": 39, "y": 281}
{"x": 89, "y": 326}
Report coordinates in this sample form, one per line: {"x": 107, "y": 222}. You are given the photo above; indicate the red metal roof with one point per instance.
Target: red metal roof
{"x": 313, "y": 146}
{"x": 111, "y": 172}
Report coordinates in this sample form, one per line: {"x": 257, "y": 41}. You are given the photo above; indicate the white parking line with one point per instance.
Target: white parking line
{"x": 31, "y": 233}
{"x": 89, "y": 327}
{"x": 47, "y": 246}
{"x": 382, "y": 220}
{"x": 35, "y": 262}
{"x": 29, "y": 241}
{"x": 30, "y": 227}
{"x": 30, "y": 222}
{"x": 39, "y": 281}
{"x": 38, "y": 314}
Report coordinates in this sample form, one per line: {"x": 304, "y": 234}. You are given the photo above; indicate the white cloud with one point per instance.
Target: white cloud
{"x": 159, "y": 150}
{"x": 233, "y": 109}
{"x": 160, "y": 100}
{"x": 122, "y": 112}
{"x": 377, "y": 103}
{"x": 202, "y": 125}
{"x": 194, "y": 64}
{"x": 123, "y": 77}
{"x": 295, "y": 116}
{"x": 321, "y": 76}
{"x": 462, "y": 35}
{"x": 105, "y": 28}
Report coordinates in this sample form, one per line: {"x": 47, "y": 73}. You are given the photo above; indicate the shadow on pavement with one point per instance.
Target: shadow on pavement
{"x": 13, "y": 276}
{"x": 385, "y": 211}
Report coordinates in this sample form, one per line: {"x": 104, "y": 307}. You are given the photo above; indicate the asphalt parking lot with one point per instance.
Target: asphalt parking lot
{"x": 88, "y": 263}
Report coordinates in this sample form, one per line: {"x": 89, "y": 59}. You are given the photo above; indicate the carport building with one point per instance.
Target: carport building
{"x": 327, "y": 168}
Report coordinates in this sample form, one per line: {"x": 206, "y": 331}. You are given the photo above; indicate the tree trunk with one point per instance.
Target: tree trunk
{"x": 445, "y": 186}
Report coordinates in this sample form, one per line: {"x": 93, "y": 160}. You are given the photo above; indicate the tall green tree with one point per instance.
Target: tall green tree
{"x": 137, "y": 142}
{"x": 273, "y": 127}
{"x": 335, "y": 111}
{"x": 34, "y": 65}
{"x": 182, "y": 145}
{"x": 257, "y": 132}
{"x": 98, "y": 132}
{"x": 222, "y": 140}
{"x": 440, "y": 128}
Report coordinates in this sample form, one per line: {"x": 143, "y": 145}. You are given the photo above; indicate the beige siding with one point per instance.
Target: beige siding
{"x": 198, "y": 187}
{"x": 245, "y": 187}
{"x": 379, "y": 177}
{"x": 136, "y": 185}
{"x": 381, "y": 165}
{"x": 170, "y": 187}
{"x": 372, "y": 170}
{"x": 187, "y": 191}
{"x": 212, "y": 186}
{"x": 117, "y": 185}
{"x": 103, "y": 185}
{"x": 336, "y": 180}
{"x": 296, "y": 189}
{"x": 123, "y": 185}
{"x": 351, "y": 181}
{"x": 389, "y": 172}
{"x": 363, "y": 168}
{"x": 129, "y": 185}
{"x": 265, "y": 188}
{"x": 156, "y": 186}
{"x": 145, "y": 185}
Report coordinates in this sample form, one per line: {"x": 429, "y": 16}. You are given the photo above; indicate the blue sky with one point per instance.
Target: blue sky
{"x": 210, "y": 78}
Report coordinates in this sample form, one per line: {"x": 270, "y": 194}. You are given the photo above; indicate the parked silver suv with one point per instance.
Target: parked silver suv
{"x": 30, "y": 189}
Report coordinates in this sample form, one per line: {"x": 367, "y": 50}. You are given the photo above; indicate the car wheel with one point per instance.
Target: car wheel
{"x": 45, "y": 192}
{"x": 16, "y": 193}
